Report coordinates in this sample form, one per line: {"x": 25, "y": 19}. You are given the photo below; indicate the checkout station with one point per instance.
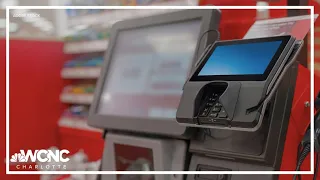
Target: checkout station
{"x": 190, "y": 102}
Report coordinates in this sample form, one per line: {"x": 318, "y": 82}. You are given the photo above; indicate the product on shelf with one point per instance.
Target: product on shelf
{"x": 80, "y": 93}
{"x": 81, "y": 62}
{"x": 79, "y": 89}
{"x": 80, "y": 12}
{"x": 86, "y": 46}
{"x": 89, "y": 34}
{"x": 94, "y": 62}
{"x": 79, "y": 111}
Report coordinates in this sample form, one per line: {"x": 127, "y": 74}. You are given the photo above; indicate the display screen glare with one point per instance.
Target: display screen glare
{"x": 148, "y": 69}
{"x": 240, "y": 59}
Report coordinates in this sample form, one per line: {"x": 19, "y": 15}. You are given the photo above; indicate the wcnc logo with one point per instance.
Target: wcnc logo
{"x": 51, "y": 159}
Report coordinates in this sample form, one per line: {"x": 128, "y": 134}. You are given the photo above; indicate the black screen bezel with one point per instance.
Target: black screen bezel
{"x": 244, "y": 77}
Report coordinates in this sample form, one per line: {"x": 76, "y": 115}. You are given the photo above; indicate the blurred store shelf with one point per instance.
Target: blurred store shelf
{"x": 112, "y": 15}
{"x": 85, "y": 46}
{"x": 68, "y": 132}
{"x": 76, "y": 98}
{"x": 81, "y": 124}
{"x": 81, "y": 73}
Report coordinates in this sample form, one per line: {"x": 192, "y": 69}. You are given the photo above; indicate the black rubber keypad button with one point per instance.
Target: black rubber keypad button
{"x": 213, "y": 114}
{"x": 222, "y": 114}
{"x": 203, "y": 114}
{"x": 216, "y": 109}
{"x": 218, "y": 104}
{"x": 211, "y": 107}
{"x": 205, "y": 111}
{"x": 209, "y": 104}
{"x": 212, "y": 99}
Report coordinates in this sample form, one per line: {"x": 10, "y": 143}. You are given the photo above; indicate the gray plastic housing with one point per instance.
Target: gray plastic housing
{"x": 237, "y": 97}
{"x": 264, "y": 146}
{"x": 202, "y": 163}
{"x": 168, "y": 154}
{"x": 210, "y": 19}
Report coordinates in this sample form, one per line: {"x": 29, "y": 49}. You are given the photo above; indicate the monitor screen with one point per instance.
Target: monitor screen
{"x": 149, "y": 66}
{"x": 240, "y": 59}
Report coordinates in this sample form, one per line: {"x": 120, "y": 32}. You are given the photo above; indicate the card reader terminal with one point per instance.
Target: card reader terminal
{"x": 212, "y": 110}
{"x": 231, "y": 78}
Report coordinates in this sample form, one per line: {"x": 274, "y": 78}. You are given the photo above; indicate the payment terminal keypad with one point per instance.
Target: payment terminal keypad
{"x": 211, "y": 110}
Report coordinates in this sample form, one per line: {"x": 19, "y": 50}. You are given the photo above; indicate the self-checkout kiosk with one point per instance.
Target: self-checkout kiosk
{"x": 240, "y": 103}
{"x": 146, "y": 64}
{"x": 161, "y": 92}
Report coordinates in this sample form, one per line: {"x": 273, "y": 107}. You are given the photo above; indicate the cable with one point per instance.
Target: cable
{"x": 298, "y": 155}
{"x": 288, "y": 64}
{"x": 305, "y": 151}
{"x": 316, "y": 168}
{"x": 303, "y": 155}
{"x": 204, "y": 33}
{"x": 305, "y": 144}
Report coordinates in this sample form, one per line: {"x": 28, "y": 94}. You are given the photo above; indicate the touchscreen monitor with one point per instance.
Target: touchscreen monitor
{"x": 250, "y": 60}
{"x": 149, "y": 66}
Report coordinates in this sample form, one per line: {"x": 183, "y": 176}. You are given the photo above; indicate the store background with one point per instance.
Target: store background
{"x": 39, "y": 73}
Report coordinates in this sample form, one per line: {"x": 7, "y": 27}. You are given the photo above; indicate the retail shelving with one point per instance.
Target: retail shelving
{"x": 76, "y": 98}
{"x": 85, "y": 46}
{"x": 111, "y": 16}
{"x": 76, "y": 123}
{"x": 81, "y": 73}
